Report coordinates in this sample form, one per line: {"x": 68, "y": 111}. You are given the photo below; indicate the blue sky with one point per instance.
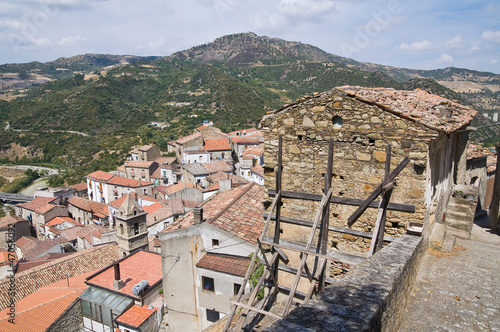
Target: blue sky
{"x": 420, "y": 34}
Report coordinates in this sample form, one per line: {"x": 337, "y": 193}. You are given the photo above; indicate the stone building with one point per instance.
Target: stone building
{"x": 362, "y": 121}
{"x": 131, "y": 227}
{"x": 140, "y": 170}
{"x": 145, "y": 153}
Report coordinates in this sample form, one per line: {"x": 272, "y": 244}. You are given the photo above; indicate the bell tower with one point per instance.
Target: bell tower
{"x": 131, "y": 227}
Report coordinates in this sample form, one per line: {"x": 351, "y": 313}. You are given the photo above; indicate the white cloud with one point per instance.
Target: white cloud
{"x": 455, "y": 42}
{"x": 445, "y": 58}
{"x": 269, "y": 21}
{"x": 28, "y": 44}
{"x": 493, "y": 36}
{"x": 416, "y": 46}
{"x": 305, "y": 8}
{"x": 71, "y": 40}
{"x": 154, "y": 46}
{"x": 474, "y": 48}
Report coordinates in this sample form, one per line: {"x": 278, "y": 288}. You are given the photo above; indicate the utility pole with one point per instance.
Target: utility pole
{"x": 495, "y": 200}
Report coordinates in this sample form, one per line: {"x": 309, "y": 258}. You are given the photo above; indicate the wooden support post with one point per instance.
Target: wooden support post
{"x": 495, "y": 200}
{"x": 279, "y": 171}
{"x": 326, "y": 219}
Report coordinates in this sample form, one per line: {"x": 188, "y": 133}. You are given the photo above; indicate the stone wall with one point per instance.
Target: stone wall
{"x": 361, "y": 133}
{"x": 70, "y": 320}
{"x": 371, "y": 297}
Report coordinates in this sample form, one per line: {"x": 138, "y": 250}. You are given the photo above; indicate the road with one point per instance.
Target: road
{"x": 7, "y": 127}
{"x": 50, "y": 171}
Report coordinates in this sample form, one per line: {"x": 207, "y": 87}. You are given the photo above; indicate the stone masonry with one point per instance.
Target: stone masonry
{"x": 361, "y": 132}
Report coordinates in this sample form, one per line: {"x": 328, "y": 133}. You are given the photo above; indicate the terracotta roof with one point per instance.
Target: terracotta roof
{"x": 92, "y": 230}
{"x": 26, "y": 265}
{"x": 4, "y": 256}
{"x": 33, "y": 248}
{"x": 40, "y": 317}
{"x": 157, "y": 173}
{"x": 152, "y": 208}
{"x": 145, "y": 147}
{"x": 478, "y": 151}
{"x": 141, "y": 265}
{"x": 175, "y": 204}
{"x": 27, "y": 282}
{"x": 5, "y": 221}
{"x": 249, "y": 139}
{"x": 135, "y": 316}
{"x": 217, "y": 166}
{"x": 213, "y": 187}
{"x": 37, "y": 203}
{"x": 124, "y": 182}
{"x": 38, "y": 311}
{"x": 169, "y": 190}
{"x": 237, "y": 211}
{"x": 420, "y": 106}
{"x": 71, "y": 233}
{"x": 158, "y": 215}
{"x": 165, "y": 160}
{"x": 235, "y": 179}
{"x": 258, "y": 169}
{"x": 88, "y": 205}
{"x": 100, "y": 176}
{"x": 188, "y": 138}
{"x": 216, "y": 144}
{"x": 195, "y": 169}
{"x": 59, "y": 220}
{"x": 235, "y": 265}
{"x": 139, "y": 164}
{"x": 254, "y": 150}
{"x": 79, "y": 186}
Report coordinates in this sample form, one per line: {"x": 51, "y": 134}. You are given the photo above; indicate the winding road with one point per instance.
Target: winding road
{"x": 7, "y": 127}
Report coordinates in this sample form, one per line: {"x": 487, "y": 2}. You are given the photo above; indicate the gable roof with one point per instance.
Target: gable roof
{"x": 27, "y": 282}
{"x": 59, "y": 220}
{"x": 87, "y": 231}
{"x": 37, "y": 203}
{"x": 217, "y": 166}
{"x": 255, "y": 138}
{"x": 169, "y": 190}
{"x": 235, "y": 265}
{"x": 188, "y": 138}
{"x": 174, "y": 204}
{"x": 88, "y": 205}
{"x": 235, "y": 179}
{"x": 100, "y": 176}
{"x": 124, "y": 182}
{"x": 79, "y": 186}
{"x": 195, "y": 169}
{"x": 139, "y": 164}
{"x": 158, "y": 215}
{"x": 258, "y": 169}
{"x": 138, "y": 266}
{"x": 420, "y": 106}
{"x": 33, "y": 249}
{"x": 7, "y": 220}
{"x": 216, "y": 144}
{"x": 254, "y": 151}
{"x": 237, "y": 211}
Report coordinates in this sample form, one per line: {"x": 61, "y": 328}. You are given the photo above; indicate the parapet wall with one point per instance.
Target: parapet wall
{"x": 371, "y": 297}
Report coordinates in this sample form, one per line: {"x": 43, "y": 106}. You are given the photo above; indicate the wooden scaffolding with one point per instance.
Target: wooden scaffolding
{"x": 275, "y": 260}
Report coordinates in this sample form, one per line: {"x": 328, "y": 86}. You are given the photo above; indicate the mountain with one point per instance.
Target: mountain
{"x": 234, "y": 81}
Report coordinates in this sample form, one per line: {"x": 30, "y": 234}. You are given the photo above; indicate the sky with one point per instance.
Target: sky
{"x": 423, "y": 34}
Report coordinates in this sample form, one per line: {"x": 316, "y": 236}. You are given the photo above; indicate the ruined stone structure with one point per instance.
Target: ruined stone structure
{"x": 362, "y": 121}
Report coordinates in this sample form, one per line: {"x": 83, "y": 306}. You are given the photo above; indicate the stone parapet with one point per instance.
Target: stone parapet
{"x": 371, "y": 297}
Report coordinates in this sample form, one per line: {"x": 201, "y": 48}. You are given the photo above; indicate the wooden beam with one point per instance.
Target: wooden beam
{"x": 331, "y": 255}
{"x": 325, "y": 222}
{"x": 342, "y": 200}
{"x": 291, "y": 270}
{"x": 352, "y": 219}
{"x": 293, "y": 221}
{"x": 250, "y": 308}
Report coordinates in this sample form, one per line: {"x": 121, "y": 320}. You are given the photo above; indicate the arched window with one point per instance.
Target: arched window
{"x": 121, "y": 229}
{"x": 136, "y": 228}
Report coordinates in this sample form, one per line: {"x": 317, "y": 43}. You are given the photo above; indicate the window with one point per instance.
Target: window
{"x": 212, "y": 315}
{"x": 121, "y": 229}
{"x": 337, "y": 122}
{"x": 136, "y": 228}
{"x": 237, "y": 288}
{"x": 208, "y": 284}
{"x": 215, "y": 242}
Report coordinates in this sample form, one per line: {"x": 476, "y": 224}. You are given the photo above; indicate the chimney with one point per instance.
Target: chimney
{"x": 198, "y": 215}
{"x": 225, "y": 185}
{"x": 118, "y": 282}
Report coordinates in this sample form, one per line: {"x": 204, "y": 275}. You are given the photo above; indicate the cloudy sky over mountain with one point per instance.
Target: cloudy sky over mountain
{"x": 424, "y": 34}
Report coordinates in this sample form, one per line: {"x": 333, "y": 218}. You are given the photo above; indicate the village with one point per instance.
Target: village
{"x": 164, "y": 243}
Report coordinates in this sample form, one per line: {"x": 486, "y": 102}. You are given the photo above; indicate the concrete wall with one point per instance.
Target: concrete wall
{"x": 371, "y": 297}
{"x": 179, "y": 281}
{"x": 189, "y": 194}
{"x": 21, "y": 228}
